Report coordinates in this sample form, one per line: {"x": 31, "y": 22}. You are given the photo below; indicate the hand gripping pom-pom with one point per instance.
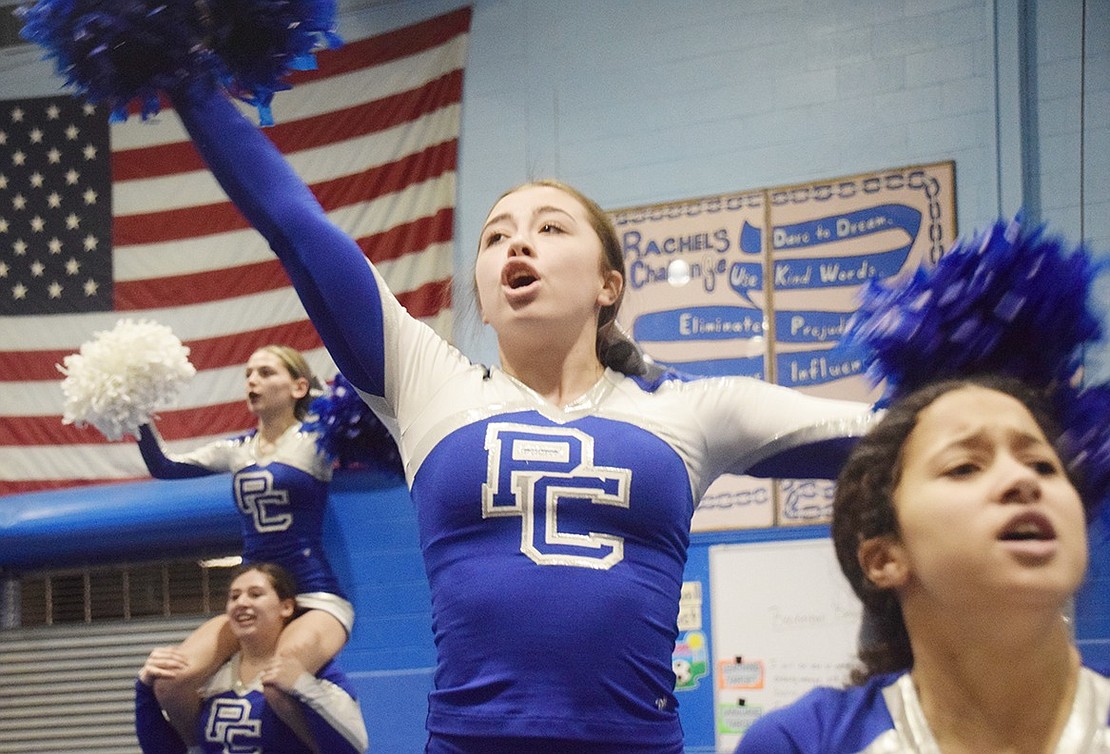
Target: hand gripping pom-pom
{"x": 121, "y": 377}
{"x": 119, "y": 52}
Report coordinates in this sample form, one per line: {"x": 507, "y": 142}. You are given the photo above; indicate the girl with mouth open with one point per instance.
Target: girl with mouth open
{"x": 554, "y": 492}
{"x": 957, "y": 524}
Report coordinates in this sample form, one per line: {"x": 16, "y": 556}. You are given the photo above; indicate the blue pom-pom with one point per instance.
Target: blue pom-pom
{"x": 117, "y": 52}
{"x": 1008, "y": 301}
{"x": 349, "y": 432}
{"x": 261, "y": 41}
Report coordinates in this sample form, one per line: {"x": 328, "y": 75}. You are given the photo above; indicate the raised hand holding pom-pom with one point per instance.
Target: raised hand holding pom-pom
{"x": 121, "y": 377}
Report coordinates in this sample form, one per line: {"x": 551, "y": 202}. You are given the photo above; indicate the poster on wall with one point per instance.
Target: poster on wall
{"x": 683, "y": 306}
{"x": 762, "y": 284}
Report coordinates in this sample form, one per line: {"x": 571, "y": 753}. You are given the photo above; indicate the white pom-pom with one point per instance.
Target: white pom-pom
{"x": 123, "y": 376}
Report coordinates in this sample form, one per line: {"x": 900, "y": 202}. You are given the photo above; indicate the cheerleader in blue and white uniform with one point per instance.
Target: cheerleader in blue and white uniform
{"x": 235, "y": 713}
{"x": 280, "y": 479}
{"x": 554, "y": 493}
{"x": 957, "y": 524}
{"x": 960, "y": 520}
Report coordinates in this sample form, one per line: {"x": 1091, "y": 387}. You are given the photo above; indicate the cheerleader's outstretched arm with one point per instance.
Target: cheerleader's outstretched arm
{"x": 159, "y": 464}
{"x": 330, "y": 273}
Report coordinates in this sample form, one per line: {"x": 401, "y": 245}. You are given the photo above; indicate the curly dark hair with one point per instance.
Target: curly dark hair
{"x": 863, "y": 507}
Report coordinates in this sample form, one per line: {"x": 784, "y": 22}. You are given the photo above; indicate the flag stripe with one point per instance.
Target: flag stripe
{"x": 253, "y": 277}
{"x": 221, "y": 217}
{"x": 314, "y": 164}
{"x": 43, "y": 485}
{"x": 205, "y": 353}
{"x": 182, "y": 290}
{"x": 437, "y": 228}
{"x": 41, "y": 364}
{"x": 393, "y": 45}
{"x": 411, "y": 204}
{"x": 199, "y": 321}
{"x": 223, "y": 418}
{"x": 316, "y": 97}
{"x": 372, "y": 117}
{"x": 217, "y": 418}
{"x": 222, "y": 383}
{"x": 326, "y": 128}
{"x": 373, "y": 131}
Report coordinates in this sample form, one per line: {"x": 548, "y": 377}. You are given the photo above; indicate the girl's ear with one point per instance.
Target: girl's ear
{"x": 288, "y": 607}
{"x": 884, "y": 562}
{"x": 300, "y": 388}
{"x": 612, "y": 284}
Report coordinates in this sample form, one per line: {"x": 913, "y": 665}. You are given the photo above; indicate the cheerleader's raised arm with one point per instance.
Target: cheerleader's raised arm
{"x": 331, "y": 275}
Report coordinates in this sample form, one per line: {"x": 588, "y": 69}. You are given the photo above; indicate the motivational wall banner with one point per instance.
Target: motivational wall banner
{"x": 762, "y": 284}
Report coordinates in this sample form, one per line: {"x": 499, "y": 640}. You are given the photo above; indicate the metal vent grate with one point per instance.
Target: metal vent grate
{"x": 71, "y": 688}
{"x": 96, "y": 594}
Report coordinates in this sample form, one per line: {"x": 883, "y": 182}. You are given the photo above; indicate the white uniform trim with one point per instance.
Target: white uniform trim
{"x": 332, "y": 604}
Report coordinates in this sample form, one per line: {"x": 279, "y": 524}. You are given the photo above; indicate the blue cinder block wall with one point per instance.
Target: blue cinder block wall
{"x": 373, "y": 544}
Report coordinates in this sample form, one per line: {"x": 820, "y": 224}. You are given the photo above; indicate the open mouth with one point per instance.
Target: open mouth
{"x": 519, "y": 281}
{"x": 517, "y": 275}
{"x": 1028, "y": 528}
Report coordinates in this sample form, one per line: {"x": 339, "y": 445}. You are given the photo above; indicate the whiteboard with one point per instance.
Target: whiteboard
{"x": 783, "y": 621}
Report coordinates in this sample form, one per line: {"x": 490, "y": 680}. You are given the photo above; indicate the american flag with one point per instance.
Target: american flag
{"x": 99, "y": 223}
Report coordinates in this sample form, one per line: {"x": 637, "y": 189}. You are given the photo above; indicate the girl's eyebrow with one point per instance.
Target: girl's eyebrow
{"x": 977, "y": 438}
{"x": 496, "y": 219}
{"x": 547, "y": 208}
{"x": 535, "y": 213}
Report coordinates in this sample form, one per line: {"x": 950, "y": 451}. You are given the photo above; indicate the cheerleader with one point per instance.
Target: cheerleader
{"x": 957, "y": 524}
{"x": 280, "y": 479}
{"x": 235, "y": 708}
